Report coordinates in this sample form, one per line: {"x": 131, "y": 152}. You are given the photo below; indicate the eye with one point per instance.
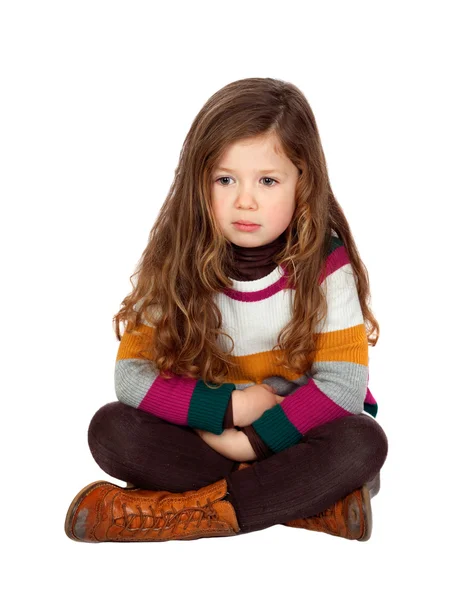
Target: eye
{"x": 265, "y": 178}
{"x": 225, "y": 177}
{"x": 270, "y": 179}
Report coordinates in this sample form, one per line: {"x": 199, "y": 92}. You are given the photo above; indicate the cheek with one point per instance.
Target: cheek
{"x": 218, "y": 208}
{"x": 281, "y": 215}
{"x": 283, "y": 207}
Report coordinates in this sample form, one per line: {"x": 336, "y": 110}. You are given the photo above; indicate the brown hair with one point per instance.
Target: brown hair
{"x": 187, "y": 256}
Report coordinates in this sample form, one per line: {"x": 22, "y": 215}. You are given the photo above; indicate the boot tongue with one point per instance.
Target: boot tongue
{"x": 255, "y": 263}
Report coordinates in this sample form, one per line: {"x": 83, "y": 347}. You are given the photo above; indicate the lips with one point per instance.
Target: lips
{"x": 245, "y": 223}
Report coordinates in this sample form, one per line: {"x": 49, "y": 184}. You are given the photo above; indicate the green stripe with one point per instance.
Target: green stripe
{"x": 334, "y": 244}
{"x": 371, "y": 409}
{"x": 208, "y": 407}
{"x": 276, "y": 430}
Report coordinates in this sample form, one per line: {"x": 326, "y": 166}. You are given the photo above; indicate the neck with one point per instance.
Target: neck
{"x": 254, "y": 263}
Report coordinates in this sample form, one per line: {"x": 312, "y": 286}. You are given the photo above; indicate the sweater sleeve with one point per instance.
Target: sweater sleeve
{"x": 338, "y": 377}
{"x": 179, "y": 400}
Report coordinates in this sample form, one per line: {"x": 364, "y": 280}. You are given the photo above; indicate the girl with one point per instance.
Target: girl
{"x": 277, "y": 426}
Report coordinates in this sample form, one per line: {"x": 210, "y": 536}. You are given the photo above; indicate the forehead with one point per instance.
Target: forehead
{"x": 264, "y": 151}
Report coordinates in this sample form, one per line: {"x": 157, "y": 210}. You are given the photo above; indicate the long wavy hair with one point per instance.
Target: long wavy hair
{"x": 187, "y": 257}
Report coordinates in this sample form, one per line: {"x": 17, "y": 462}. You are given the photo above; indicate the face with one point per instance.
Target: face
{"x": 254, "y": 181}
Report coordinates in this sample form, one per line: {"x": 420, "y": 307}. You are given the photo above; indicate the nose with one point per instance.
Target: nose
{"x": 245, "y": 200}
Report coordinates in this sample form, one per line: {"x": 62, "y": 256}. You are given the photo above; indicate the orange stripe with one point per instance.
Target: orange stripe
{"x": 348, "y": 345}
{"x": 343, "y": 345}
{"x": 136, "y": 346}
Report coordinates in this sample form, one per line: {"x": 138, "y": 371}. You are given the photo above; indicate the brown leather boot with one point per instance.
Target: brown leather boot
{"x": 104, "y": 512}
{"x": 244, "y": 465}
{"x": 350, "y": 517}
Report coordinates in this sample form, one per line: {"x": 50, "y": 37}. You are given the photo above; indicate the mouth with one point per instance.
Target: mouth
{"x": 244, "y": 223}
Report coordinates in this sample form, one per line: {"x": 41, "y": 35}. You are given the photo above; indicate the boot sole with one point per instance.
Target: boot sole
{"x": 74, "y": 507}
{"x": 367, "y": 510}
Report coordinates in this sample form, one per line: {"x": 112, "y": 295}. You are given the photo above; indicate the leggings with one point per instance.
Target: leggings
{"x": 329, "y": 462}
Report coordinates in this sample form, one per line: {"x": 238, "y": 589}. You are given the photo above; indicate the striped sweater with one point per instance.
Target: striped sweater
{"x": 253, "y": 314}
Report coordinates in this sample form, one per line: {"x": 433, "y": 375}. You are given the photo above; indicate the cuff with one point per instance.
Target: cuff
{"x": 208, "y": 406}
{"x": 276, "y": 430}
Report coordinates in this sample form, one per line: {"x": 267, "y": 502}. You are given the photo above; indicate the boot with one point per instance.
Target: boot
{"x": 104, "y": 512}
{"x": 350, "y": 517}
{"x": 244, "y": 465}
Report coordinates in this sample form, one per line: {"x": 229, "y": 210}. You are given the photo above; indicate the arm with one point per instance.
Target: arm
{"x": 231, "y": 443}
{"x": 338, "y": 379}
{"x": 254, "y": 443}
{"x": 246, "y": 446}
{"x": 179, "y": 400}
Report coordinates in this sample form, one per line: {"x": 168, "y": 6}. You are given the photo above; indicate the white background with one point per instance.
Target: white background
{"x": 96, "y": 100}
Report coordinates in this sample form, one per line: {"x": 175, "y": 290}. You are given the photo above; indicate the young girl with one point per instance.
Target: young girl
{"x": 276, "y": 426}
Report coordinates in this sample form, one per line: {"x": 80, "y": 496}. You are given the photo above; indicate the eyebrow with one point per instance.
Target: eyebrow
{"x": 260, "y": 171}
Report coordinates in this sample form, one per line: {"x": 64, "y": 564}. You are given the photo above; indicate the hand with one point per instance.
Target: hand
{"x": 230, "y": 443}
{"x": 249, "y": 405}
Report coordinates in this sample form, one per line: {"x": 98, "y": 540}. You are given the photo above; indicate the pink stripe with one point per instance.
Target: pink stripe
{"x": 169, "y": 399}
{"x": 335, "y": 261}
{"x": 271, "y": 290}
{"x": 309, "y": 407}
{"x": 370, "y": 398}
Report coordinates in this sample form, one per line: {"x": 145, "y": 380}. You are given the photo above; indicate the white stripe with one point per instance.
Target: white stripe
{"x": 254, "y": 326}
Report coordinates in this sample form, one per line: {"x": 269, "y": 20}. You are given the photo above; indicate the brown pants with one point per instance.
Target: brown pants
{"x": 328, "y": 463}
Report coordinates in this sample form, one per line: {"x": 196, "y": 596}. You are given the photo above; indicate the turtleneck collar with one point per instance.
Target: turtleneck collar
{"x": 254, "y": 263}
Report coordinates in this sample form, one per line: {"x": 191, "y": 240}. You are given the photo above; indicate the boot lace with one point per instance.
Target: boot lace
{"x": 169, "y": 519}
